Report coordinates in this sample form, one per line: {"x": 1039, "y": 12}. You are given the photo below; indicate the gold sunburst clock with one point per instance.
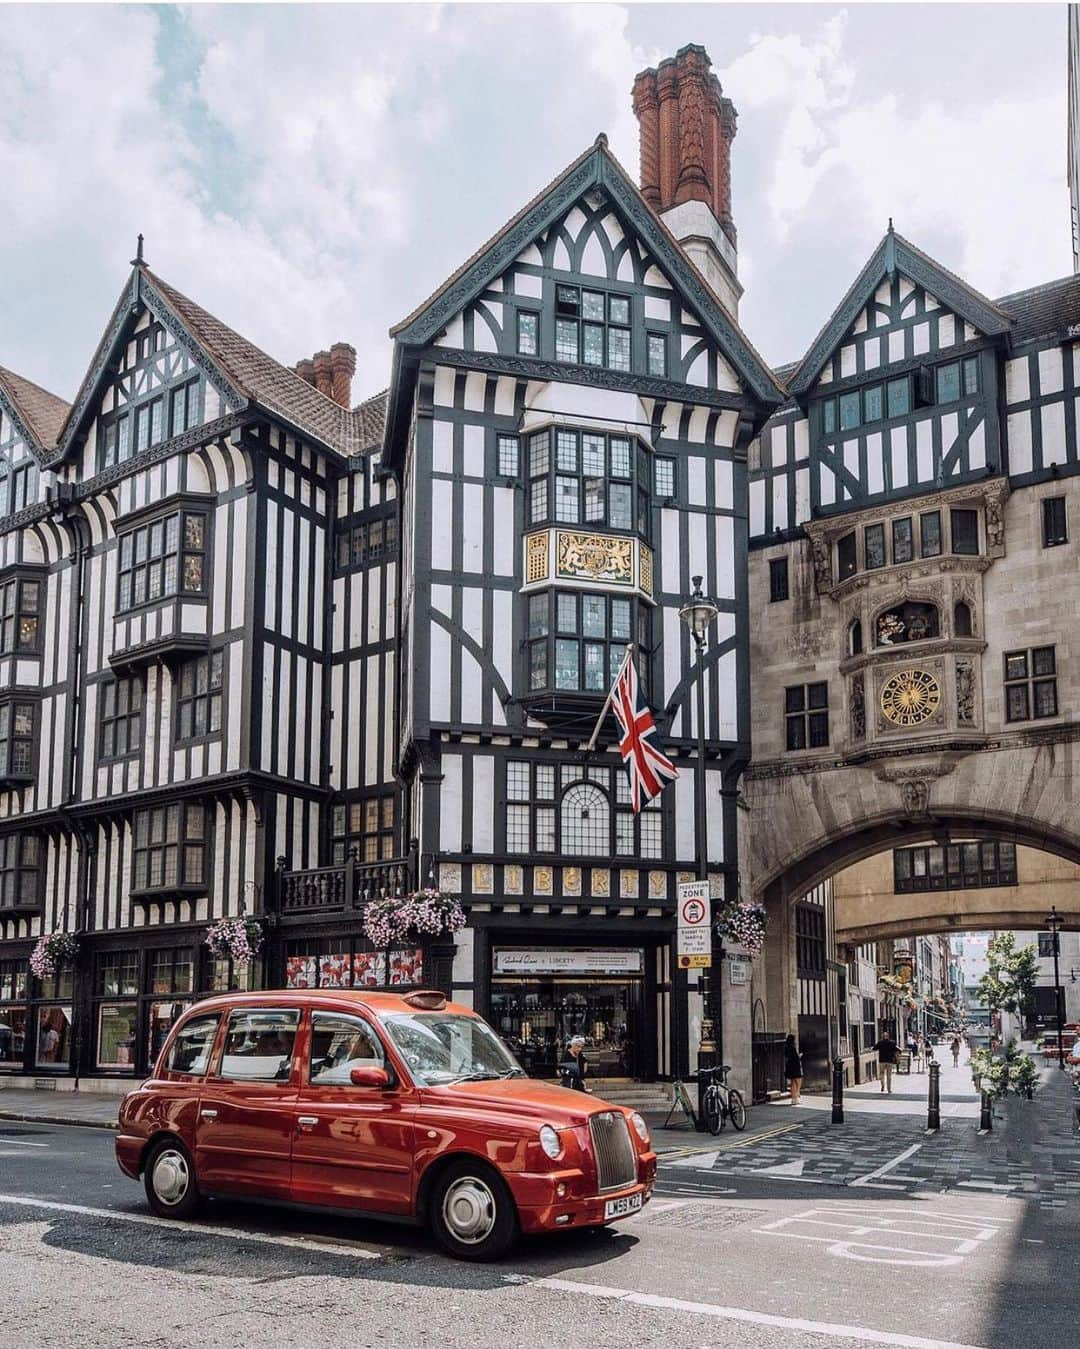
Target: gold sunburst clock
{"x": 910, "y": 697}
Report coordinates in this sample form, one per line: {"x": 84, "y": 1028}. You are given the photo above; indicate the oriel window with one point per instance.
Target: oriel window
{"x": 20, "y": 612}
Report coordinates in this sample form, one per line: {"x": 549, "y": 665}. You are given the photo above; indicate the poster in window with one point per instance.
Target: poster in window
{"x": 300, "y": 972}
{"x": 406, "y": 967}
{"x": 334, "y": 971}
{"x": 368, "y": 969}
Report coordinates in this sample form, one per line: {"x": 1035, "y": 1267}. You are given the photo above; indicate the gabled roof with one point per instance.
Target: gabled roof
{"x": 371, "y": 418}
{"x": 38, "y": 413}
{"x": 597, "y": 167}
{"x": 246, "y": 375}
{"x": 897, "y": 254}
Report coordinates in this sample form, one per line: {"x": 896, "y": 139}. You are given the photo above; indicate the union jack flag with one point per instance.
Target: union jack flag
{"x": 649, "y": 768}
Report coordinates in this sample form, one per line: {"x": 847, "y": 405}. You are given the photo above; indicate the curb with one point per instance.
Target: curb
{"x": 12, "y": 1115}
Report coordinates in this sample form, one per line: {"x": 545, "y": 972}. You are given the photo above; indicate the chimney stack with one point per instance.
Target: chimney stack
{"x": 342, "y": 369}
{"x": 686, "y": 129}
{"x": 331, "y": 372}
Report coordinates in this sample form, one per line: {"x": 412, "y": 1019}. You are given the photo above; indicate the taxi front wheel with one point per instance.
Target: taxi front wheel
{"x": 169, "y": 1179}
{"x": 472, "y": 1213}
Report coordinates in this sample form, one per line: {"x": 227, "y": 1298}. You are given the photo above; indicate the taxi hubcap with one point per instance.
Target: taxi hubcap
{"x": 469, "y": 1209}
{"x": 170, "y": 1177}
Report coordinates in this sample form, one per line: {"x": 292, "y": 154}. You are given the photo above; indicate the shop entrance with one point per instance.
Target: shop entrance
{"x": 541, "y": 999}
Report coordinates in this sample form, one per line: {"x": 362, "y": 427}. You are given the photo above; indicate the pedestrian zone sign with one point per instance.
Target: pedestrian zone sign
{"x": 694, "y": 941}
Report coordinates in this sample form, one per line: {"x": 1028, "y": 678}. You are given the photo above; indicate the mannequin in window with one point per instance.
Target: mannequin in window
{"x": 962, "y": 619}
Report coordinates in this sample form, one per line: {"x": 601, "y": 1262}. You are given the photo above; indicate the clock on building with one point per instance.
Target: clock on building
{"x": 910, "y": 697}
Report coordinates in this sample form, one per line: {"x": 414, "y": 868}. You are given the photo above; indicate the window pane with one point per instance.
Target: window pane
{"x": 592, "y": 305}
{"x": 664, "y": 470}
{"x": 539, "y": 461}
{"x": 874, "y": 545}
{"x": 1054, "y": 530}
{"x": 902, "y": 542}
{"x": 528, "y": 331}
{"x": 619, "y": 505}
{"x": 965, "y": 531}
{"x": 594, "y": 499}
{"x": 1016, "y": 708}
{"x": 566, "y": 613}
{"x": 592, "y": 345}
{"x": 594, "y": 616}
{"x": 545, "y": 782}
{"x": 828, "y": 416}
{"x": 1042, "y": 662}
{"x": 657, "y": 354}
{"x": 566, "y": 500}
{"x": 566, "y": 452}
{"x": 817, "y": 695}
{"x": 1016, "y": 665}
{"x": 845, "y": 556}
{"x": 538, "y": 615}
{"x": 566, "y": 342}
{"x": 796, "y": 732}
{"x": 872, "y": 403}
{"x": 508, "y": 456}
{"x": 618, "y": 349}
{"x": 258, "y": 1045}
{"x": 930, "y": 533}
{"x": 899, "y": 397}
{"x": 819, "y": 729}
{"x": 620, "y": 620}
{"x": 517, "y": 781}
{"x": 620, "y": 457}
{"x": 595, "y": 666}
{"x": 849, "y": 410}
{"x": 971, "y": 375}
{"x": 592, "y": 455}
{"x": 794, "y": 699}
{"x": 620, "y": 309}
{"x": 948, "y": 382}
{"x": 1045, "y": 699}
{"x": 566, "y": 664}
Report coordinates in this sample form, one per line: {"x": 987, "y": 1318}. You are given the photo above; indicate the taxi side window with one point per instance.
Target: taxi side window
{"x": 338, "y": 1045}
{"x": 190, "y": 1052}
{"x": 259, "y": 1045}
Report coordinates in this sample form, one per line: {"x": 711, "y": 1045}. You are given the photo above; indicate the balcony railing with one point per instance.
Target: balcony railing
{"x": 350, "y": 885}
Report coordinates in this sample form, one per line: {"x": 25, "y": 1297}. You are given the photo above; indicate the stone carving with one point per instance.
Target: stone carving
{"x": 994, "y": 511}
{"x": 594, "y": 557}
{"x": 658, "y": 885}
{"x": 965, "y": 693}
{"x": 512, "y": 879}
{"x": 536, "y": 557}
{"x": 858, "y": 708}
{"x": 822, "y": 562}
{"x": 483, "y": 880}
{"x": 915, "y": 796}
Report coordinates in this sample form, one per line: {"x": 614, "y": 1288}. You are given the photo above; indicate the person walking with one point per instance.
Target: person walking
{"x": 793, "y": 1068}
{"x": 575, "y": 1068}
{"x": 955, "y": 1047}
{"x": 886, "y": 1052}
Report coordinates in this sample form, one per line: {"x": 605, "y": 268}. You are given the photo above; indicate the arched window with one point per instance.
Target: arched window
{"x": 962, "y": 619}
{"x": 855, "y": 638}
{"x": 586, "y": 827}
{"x": 910, "y": 622}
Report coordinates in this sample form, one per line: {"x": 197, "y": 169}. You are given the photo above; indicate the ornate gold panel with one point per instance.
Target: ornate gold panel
{"x": 594, "y": 557}
{"x": 645, "y": 568}
{"x": 910, "y": 697}
{"x": 536, "y": 557}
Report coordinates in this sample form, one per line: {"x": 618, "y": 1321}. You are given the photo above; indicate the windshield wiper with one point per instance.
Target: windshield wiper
{"x": 482, "y": 1076}
{"x": 513, "y": 1072}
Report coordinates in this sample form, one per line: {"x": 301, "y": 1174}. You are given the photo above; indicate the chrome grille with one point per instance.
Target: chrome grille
{"x": 616, "y": 1160}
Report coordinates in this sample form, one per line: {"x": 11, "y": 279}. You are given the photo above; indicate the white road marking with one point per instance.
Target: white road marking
{"x": 20, "y": 1143}
{"x": 884, "y": 1170}
{"x": 984, "y": 1185}
{"x": 697, "y": 1161}
{"x": 745, "y": 1314}
{"x": 196, "y": 1229}
{"x": 792, "y": 1169}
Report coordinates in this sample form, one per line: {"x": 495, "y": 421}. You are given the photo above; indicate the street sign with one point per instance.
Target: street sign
{"x": 694, "y": 937}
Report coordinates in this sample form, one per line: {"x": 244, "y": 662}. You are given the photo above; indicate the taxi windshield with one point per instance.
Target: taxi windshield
{"x": 442, "y": 1047}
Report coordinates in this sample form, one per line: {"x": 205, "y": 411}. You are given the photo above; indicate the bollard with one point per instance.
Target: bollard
{"x": 933, "y": 1113}
{"x": 838, "y": 1091}
{"x": 986, "y": 1114}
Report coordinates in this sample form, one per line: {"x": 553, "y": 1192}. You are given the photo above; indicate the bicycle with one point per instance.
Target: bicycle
{"x": 721, "y": 1102}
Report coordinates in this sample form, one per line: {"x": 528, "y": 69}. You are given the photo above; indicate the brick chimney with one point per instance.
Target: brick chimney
{"x": 306, "y": 370}
{"x": 323, "y": 376}
{"x": 686, "y": 128}
{"x": 342, "y": 369}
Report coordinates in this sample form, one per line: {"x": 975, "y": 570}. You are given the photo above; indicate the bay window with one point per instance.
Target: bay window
{"x": 577, "y": 639}
{"x": 170, "y": 848}
{"x": 20, "y": 611}
{"x": 165, "y": 557}
{"x": 588, "y": 478}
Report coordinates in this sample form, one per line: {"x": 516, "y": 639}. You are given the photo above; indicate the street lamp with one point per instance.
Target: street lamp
{"x": 1053, "y": 922}
{"x": 699, "y": 614}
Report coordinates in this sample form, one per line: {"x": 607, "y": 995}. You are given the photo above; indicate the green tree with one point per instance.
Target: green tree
{"x": 1009, "y": 982}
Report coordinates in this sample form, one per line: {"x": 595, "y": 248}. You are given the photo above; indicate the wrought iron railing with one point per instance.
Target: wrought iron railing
{"x": 349, "y": 885}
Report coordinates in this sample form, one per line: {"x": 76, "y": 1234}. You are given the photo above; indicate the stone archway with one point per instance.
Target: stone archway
{"x": 809, "y": 820}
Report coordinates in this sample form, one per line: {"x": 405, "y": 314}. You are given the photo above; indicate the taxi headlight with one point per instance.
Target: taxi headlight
{"x": 640, "y": 1127}
{"x": 550, "y": 1141}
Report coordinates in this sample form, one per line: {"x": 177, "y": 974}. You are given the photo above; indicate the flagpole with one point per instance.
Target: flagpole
{"x": 607, "y": 701}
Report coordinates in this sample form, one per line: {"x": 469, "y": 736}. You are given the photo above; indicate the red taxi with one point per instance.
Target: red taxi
{"x": 397, "y": 1106}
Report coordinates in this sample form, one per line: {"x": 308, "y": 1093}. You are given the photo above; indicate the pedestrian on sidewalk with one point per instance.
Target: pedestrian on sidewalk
{"x": 886, "y": 1052}
{"x": 955, "y": 1047}
{"x": 793, "y": 1069}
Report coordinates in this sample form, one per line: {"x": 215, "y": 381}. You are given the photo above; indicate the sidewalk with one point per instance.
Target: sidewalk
{"x": 909, "y": 1096}
{"x": 87, "y": 1108}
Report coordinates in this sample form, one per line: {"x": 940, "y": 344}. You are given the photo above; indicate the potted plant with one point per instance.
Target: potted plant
{"x": 53, "y": 951}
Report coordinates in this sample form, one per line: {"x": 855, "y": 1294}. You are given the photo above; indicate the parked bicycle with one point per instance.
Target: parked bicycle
{"x": 720, "y": 1102}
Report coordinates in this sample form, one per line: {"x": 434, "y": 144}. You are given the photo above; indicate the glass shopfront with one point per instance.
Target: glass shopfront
{"x": 541, "y": 999}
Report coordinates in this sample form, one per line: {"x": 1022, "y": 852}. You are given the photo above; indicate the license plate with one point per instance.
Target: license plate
{"x": 619, "y": 1208}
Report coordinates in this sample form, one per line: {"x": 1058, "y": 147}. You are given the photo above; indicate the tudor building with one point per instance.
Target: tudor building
{"x": 266, "y": 652}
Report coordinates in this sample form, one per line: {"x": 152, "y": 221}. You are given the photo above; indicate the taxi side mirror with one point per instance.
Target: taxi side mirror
{"x": 370, "y": 1077}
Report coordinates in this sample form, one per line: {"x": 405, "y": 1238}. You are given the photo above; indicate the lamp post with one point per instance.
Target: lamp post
{"x": 699, "y": 614}
{"x": 1053, "y": 922}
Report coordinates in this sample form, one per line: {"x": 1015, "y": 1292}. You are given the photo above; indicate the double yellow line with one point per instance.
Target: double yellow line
{"x": 735, "y": 1142}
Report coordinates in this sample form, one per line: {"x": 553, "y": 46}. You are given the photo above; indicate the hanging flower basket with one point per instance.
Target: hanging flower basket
{"x": 52, "y": 953}
{"x": 237, "y": 939}
{"x": 743, "y": 924}
{"x": 427, "y": 913}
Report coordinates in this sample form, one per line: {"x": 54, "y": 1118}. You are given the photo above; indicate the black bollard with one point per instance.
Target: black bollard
{"x": 986, "y": 1114}
{"x": 838, "y": 1091}
{"x": 933, "y": 1113}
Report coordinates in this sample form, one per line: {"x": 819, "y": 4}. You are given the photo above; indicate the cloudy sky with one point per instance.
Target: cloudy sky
{"x": 310, "y": 172}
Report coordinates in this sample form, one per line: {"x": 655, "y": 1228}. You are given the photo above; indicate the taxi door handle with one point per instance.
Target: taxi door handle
{"x": 208, "y": 1114}
{"x": 306, "y": 1121}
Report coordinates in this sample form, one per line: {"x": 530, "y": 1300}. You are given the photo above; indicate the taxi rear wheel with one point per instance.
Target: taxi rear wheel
{"x": 169, "y": 1179}
{"x": 472, "y": 1213}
